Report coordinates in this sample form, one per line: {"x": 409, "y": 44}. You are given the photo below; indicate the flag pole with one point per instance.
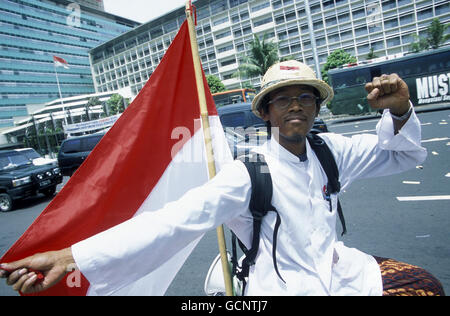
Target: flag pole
{"x": 208, "y": 142}
{"x": 60, "y": 94}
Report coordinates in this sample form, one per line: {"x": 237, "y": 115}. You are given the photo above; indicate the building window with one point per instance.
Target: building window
{"x": 260, "y": 6}
{"x": 393, "y": 42}
{"x": 263, "y": 21}
{"x": 221, "y": 21}
{"x": 224, "y": 34}
{"x": 425, "y": 14}
{"x": 228, "y": 62}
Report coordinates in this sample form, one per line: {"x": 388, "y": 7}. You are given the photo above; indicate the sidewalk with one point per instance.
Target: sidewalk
{"x": 337, "y": 119}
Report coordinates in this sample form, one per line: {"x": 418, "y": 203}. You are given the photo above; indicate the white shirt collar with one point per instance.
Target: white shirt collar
{"x": 273, "y": 148}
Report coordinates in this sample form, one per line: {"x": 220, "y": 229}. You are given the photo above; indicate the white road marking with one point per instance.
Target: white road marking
{"x": 360, "y": 132}
{"x": 423, "y": 198}
{"x": 411, "y": 182}
{"x": 435, "y": 139}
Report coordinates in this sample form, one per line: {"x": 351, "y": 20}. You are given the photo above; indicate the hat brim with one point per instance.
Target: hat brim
{"x": 326, "y": 92}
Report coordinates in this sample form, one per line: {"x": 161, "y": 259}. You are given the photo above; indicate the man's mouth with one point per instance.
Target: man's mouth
{"x": 295, "y": 118}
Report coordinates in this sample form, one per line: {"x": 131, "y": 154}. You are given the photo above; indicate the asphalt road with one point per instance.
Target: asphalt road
{"x": 416, "y": 232}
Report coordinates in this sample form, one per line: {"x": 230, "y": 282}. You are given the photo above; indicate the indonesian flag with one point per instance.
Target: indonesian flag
{"x": 60, "y": 62}
{"x": 142, "y": 160}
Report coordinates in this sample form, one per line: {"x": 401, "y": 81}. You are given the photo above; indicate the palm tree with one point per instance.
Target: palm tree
{"x": 262, "y": 55}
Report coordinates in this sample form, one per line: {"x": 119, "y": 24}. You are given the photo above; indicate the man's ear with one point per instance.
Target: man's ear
{"x": 318, "y": 109}
{"x": 264, "y": 115}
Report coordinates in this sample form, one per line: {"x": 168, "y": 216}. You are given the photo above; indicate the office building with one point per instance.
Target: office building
{"x": 96, "y": 4}
{"x": 31, "y": 33}
{"x": 225, "y": 28}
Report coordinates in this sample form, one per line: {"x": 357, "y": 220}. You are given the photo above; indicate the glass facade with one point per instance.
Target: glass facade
{"x": 31, "y": 33}
{"x": 225, "y": 28}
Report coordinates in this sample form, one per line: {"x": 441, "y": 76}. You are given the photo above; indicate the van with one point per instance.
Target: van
{"x": 243, "y": 129}
{"x": 74, "y": 151}
{"x": 239, "y": 115}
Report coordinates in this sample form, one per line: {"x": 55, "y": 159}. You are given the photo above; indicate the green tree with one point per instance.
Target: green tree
{"x": 419, "y": 44}
{"x": 436, "y": 33}
{"x": 214, "y": 83}
{"x": 435, "y": 37}
{"x": 93, "y": 101}
{"x": 371, "y": 54}
{"x": 116, "y": 104}
{"x": 263, "y": 54}
{"x": 337, "y": 58}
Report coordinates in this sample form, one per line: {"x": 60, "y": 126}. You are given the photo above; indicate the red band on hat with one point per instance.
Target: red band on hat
{"x": 289, "y": 68}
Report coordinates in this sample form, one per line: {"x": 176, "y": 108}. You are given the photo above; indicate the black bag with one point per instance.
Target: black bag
{"x": 261, "y": 203}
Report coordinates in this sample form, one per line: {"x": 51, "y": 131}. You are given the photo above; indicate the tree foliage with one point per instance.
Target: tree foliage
{"x": 214, "y": 83}
{"x": 263, "y": 54}
{"x": 371, "y": 54}
{"x": 435, "y": 36}
{"x": 337, "y": 58}
{"x": 116, "y": 104}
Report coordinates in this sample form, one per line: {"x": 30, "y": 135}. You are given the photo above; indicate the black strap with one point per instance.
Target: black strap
{"x": 260, "y": 204}
{"x": 328, "y": 163}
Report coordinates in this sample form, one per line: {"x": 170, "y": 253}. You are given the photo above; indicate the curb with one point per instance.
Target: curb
{"x": 419, "y": 109}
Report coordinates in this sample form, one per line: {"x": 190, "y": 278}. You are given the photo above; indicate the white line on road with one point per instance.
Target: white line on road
{"x": 434, "y": 139}
{"x": 359, "y": 132}
{"x": 411, "y": 182}
{"x": 423, "y": 198}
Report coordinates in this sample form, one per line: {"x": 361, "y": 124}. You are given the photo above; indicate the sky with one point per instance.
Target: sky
{"x": 141, "y": 10}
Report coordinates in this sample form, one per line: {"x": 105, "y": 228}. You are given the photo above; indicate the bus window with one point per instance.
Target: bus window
{"x": 233, "y": 96}
{"x": 249, "y": 96}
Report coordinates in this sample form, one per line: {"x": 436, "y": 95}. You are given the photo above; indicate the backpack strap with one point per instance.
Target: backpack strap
{"x": 328, "y": 163}
{"x": 260, "y": 204}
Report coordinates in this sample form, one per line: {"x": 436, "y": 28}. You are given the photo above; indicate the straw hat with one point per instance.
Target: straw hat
{"x": 290, "y": 72}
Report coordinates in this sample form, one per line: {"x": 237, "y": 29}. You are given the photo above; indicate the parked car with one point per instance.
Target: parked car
{"x": 74, "y": 151}
{"x": 35, "y": 158}
{"x": 20, "y": 179}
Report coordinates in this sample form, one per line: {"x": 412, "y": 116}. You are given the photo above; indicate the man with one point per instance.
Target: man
{"x": 310, "y": 259}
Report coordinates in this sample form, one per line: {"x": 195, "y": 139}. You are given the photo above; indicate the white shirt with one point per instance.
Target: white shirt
{"x": 309, "y": 257}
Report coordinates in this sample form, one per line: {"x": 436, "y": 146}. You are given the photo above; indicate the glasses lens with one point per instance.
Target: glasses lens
{"x": 307, "y": 99}
{"x": 282, "y": 101}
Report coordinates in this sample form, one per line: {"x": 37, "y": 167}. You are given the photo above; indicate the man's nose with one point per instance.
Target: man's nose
{"x": 295, "y": 105}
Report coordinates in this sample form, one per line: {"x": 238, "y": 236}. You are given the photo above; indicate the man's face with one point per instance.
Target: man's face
{"x": 295, "y": 120}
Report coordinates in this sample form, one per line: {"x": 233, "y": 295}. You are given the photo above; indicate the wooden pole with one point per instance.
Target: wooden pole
{"x": 208, "y": 143}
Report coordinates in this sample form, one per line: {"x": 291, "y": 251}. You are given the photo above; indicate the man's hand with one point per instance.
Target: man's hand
{"x": 388, "y": 92}
{"x": 53, "y": 264}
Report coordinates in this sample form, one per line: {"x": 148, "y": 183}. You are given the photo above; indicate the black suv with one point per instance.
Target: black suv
{"x": 19, "y": 178}
{"x": 74, "y": 151}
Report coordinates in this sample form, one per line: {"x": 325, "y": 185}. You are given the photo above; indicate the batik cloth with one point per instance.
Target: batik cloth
{"x": 403, "y": 279}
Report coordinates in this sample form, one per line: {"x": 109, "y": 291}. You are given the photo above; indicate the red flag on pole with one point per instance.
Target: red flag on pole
{"x": 60, "y": 62}
{"x": 127, "y": 168}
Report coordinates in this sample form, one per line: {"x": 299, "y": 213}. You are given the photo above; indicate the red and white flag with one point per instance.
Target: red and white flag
{"x": 136, "y": 162}
{"x": 60, "y": 62}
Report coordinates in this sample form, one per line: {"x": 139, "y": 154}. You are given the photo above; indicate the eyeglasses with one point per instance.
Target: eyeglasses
{"x": 305, "y": 99}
